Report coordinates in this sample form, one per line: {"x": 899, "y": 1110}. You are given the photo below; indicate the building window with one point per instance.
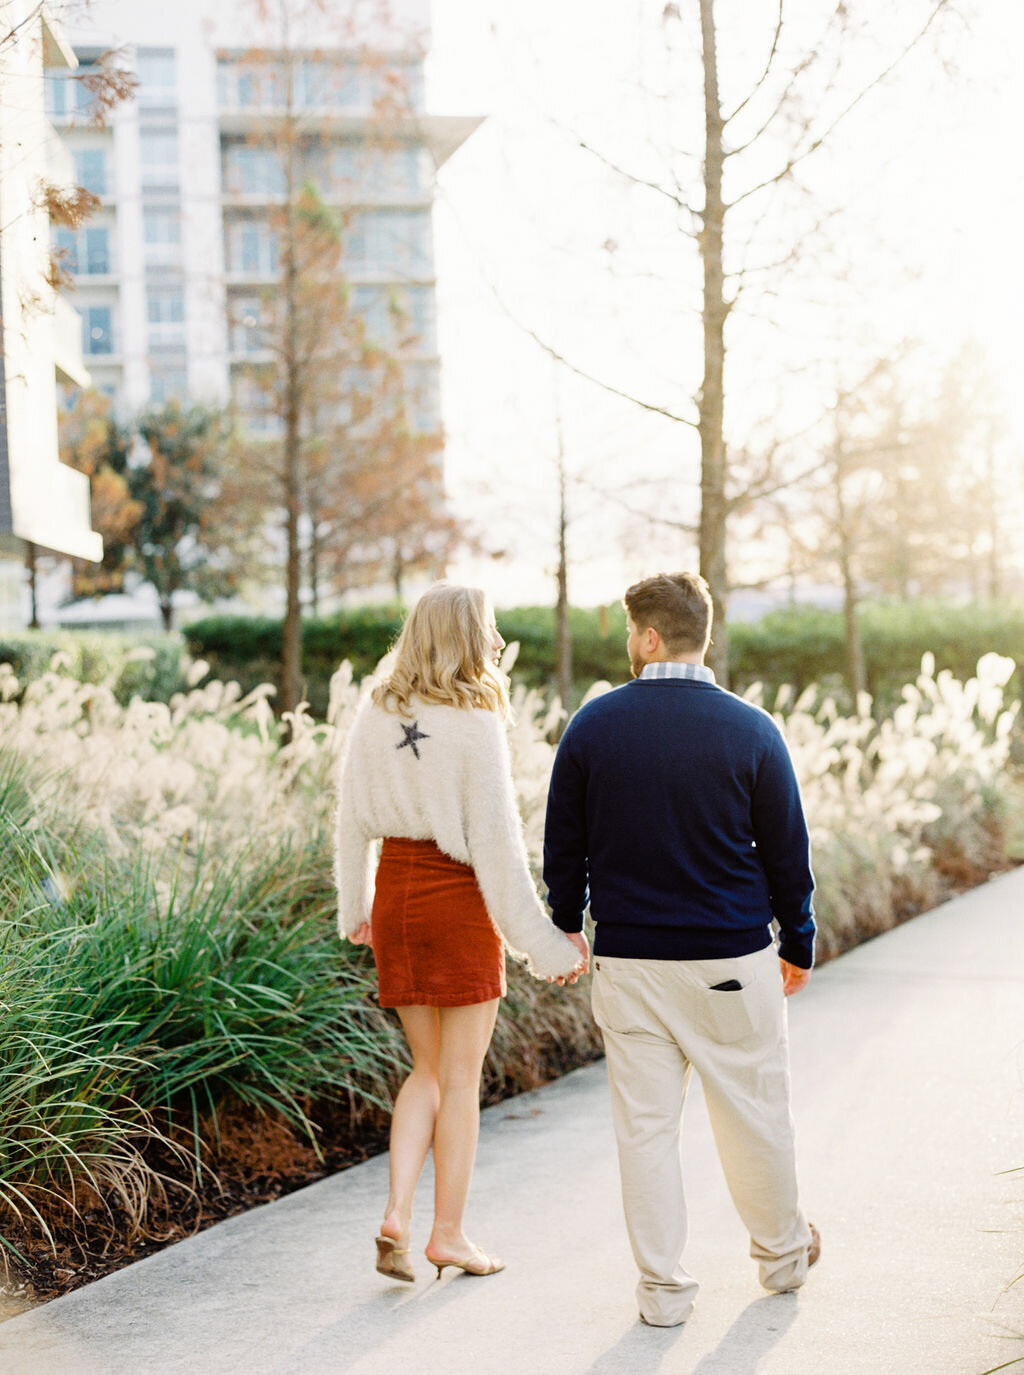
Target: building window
{"x": 397, "y": 172}
{"x": 165, "y": 305}
{"x": 97, "y": 330}
{"x": 60, "y": 95}
{"x": 161, "y": 233}
{"x": 85, "y": 251}
{"x": 371, "y": 305}
{"x": 158, "y": 155}
{"x": 248, "y": 331}
{"x": 418, "y": 305}
{"x": 252, "y": 249}
{"x": 255, "y": 402}
{"x": 68, "y": 96}
{"x": 165, "y": 316}
{"x": 389, "y": 242}
{"x": 167, "y": 381}
{"x": 97, "y": 250}
{"x": 253, "y": 171}
{"x": 244, "y": 84}
{"x": 91, "y": 169}
{"x": 422, "y": 397}
{"x": 161, "y": 225}
{"x": 65, "y": 241}
{"x": 157, "y": 76}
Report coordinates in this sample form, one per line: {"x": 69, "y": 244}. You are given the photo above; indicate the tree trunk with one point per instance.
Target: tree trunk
{"x": 397, "y": 573}
{"x": 563, "y": 639}
{"x": 992, "y": 514}
{"x": 33, "y": 588}
{"x": 314, "y": 568}
{"x": 291, "y": 663}
{"x": 856, "y": 678}
{"x": 167, "y": 612}
{"x": 713, "y": 508}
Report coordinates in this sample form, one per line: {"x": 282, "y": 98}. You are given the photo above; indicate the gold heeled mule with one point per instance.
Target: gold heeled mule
{"x": 471, "y": 1265}
{"x": 391, "y": 1260}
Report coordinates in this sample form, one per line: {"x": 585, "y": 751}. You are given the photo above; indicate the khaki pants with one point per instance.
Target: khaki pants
{"x": 660, "y": 1018}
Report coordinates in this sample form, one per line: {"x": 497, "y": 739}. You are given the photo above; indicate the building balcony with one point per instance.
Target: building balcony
{"x": 442, "y": 134}
{"x": 57, "y": 159}
{"x": 67, "y": 344}
{"x": 359, "y": 199}
{"x": 253, "y": 278}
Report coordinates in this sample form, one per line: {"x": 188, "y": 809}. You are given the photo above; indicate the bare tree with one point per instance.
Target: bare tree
{"x": 330, "y": 394}
{"x": 755, "y": 143}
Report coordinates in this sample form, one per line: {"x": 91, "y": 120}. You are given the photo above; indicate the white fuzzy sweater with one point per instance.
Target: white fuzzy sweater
{"x": 443, "y": 775}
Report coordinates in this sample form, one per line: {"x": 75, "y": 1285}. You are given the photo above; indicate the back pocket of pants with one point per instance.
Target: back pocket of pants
{"x": 727, "y": 1014}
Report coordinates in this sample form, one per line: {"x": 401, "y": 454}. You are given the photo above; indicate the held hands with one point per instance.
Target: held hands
{"x": 793, "y": 977}
{"x": 363, "y": 935}
{"x": 579, "y": 940}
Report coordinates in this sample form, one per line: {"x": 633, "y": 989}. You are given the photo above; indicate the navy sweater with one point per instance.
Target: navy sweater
{"x": 673, "y": 805}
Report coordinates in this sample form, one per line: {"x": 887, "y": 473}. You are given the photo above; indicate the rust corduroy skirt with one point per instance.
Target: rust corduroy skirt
{"x": 434, "y": 944}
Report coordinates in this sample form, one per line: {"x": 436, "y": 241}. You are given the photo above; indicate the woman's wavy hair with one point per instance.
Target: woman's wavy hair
{"x": 443, "y": 655}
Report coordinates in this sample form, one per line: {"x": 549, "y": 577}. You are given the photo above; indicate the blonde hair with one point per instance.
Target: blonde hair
{"x": 443, "y": 655}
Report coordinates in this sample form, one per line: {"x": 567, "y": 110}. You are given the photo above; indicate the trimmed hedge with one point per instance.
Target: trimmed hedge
{"x": 248, "y": 648}
{"x": 101, "y": 656}
{"x": 804, "y": 645}
{"x": 795, "y": 645}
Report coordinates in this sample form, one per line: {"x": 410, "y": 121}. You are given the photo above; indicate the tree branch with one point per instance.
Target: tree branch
{"x": 764, "y": 75}
{"x": 614, "y": 496}
{"x": 677, "y": 200}
{"x": 599, "y": 382}
{"x": 844, "y": 113}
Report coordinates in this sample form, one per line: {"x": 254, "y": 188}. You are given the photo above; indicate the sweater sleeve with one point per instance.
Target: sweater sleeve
{"x": 498, "y": 856}
{"x": 784, "y": 850}
{"x": 565, "y": 839}
{"x": 354, "y": 848}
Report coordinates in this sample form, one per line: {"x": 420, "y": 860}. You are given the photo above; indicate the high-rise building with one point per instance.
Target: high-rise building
{"x": 44, "y": 505}
{"x": 173, "y": 272}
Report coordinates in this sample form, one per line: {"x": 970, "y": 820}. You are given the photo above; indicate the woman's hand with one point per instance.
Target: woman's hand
{"x": 363, "y": 935}
{"x": 579, "y": 940}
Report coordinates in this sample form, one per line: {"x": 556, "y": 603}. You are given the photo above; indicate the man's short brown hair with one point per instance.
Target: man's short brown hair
{"x": 677, "y": 605}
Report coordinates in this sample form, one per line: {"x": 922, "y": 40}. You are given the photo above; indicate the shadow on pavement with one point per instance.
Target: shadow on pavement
{"x": 386, "y": 1316}
{"x": 751, "y": 1337}
{"x": 639, "y": 1348}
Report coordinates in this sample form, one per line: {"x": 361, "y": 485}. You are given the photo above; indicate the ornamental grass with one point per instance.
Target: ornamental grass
{"x": 172, "y": 982}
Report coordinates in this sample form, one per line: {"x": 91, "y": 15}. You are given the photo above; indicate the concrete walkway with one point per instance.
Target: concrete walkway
{"x": 908, "y": 1059}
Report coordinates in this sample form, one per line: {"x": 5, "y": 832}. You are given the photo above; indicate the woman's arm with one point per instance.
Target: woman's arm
{"x": 354, "y": 849}
{"x": 498, "y": 855}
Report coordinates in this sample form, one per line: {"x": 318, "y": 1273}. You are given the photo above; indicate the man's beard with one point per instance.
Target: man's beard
{"x": 636, "y": 664}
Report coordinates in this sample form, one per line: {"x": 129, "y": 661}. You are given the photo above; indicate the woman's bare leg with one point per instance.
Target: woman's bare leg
{"x": 465, "y": 1036}
{"x": 412, "y": 1123}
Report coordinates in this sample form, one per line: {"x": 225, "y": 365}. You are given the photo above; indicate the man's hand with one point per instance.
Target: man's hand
{"x": 363, "y": 935}
{"x": 793, "y": 977}
{"x": 579, "y": 940}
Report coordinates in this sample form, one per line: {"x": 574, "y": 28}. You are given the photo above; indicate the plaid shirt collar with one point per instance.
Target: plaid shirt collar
{"x": 671, "y": 669}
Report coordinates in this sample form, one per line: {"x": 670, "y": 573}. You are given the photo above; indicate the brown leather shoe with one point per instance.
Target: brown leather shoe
{"x": 814, "y": 1250}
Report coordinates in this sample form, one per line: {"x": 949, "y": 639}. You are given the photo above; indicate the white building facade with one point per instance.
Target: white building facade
{"x": 171, "y": 272}
{"x": 42, "y": 501}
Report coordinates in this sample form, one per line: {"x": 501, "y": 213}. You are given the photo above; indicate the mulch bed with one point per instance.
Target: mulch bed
{"x": 259, "y": 1159}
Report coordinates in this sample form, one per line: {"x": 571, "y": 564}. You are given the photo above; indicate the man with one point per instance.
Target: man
{"x": 674, "y": 806}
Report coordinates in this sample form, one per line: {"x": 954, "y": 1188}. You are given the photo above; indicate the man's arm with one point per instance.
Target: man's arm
{"x": 565, "y": 839}
{"x": 783, "y": 846}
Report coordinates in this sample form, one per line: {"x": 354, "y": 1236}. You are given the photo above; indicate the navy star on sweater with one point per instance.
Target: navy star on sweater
{"x": 412, "y": 734}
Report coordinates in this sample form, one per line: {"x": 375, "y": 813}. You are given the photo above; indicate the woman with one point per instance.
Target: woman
{"x": 426, "y": 767}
